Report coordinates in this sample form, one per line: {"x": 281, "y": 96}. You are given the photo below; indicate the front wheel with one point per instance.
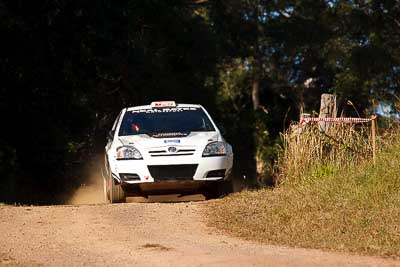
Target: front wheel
{"x": 116, "y": 192}
{"x": 106, "y": 188}
{"x": 218, "y": 189}
{"x": 106, "y": 196}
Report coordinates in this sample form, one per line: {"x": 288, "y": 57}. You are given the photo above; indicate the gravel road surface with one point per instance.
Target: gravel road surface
{"x": 141, "y": 234}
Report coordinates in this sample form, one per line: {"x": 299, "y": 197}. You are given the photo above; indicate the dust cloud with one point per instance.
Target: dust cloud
{"x": 91, "y": 189}
{"x": 87, "y": 194}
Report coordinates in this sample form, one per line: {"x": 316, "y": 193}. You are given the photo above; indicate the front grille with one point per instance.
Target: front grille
{"x": 172, "y": 172}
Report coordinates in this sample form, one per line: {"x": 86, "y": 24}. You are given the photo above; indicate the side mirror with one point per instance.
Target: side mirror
{"x": 110, "y": 135}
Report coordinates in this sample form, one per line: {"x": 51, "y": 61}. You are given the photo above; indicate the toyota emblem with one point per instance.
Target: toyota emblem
{"x": 172, "y": 149}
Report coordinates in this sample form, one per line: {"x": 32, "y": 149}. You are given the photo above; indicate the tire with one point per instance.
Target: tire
{"x": 105, "y": 172}
{"x": 218, "y": 189}
{"x": 227, "y": 187}
{"x": 112, "y": 191}
{"x": 106, "y": 196}
{"x": 116, "y": 192}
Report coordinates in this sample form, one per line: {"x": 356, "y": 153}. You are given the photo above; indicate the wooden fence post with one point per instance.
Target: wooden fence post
{"x": 327, "y": 110}
{"x": 373, "y": 132}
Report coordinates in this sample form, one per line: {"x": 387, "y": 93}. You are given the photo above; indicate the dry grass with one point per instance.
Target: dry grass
{"x": 306, "y": 149}
{"x": 333, "y": 199}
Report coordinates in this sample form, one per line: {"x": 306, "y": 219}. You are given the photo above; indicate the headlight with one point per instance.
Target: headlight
{"x": 128, "y": 152}
{"x": 215, "y": 149}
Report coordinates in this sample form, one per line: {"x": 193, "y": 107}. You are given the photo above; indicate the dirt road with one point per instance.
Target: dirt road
{"x": 141, "y": 234}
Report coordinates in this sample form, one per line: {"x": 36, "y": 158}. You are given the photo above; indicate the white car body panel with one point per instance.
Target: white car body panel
{"x": 189, "y": 150}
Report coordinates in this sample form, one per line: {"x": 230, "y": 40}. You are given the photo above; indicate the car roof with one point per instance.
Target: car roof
{"x": 178, "y": 105}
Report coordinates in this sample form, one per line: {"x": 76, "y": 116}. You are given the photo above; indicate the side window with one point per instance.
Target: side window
{"x": 116, "y": 121}
{"x": 110, "y": 135}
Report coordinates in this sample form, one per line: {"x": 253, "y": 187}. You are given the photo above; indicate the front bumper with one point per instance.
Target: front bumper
{"x": 168, "y": 169}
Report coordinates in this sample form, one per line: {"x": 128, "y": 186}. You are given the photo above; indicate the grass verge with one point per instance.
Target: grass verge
{"x": 354, "y": 209}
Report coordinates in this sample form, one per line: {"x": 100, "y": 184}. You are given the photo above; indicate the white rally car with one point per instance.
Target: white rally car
{"x": 165, "y": 148}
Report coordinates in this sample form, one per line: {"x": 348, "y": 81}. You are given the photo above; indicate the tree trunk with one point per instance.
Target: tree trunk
{"x": 259, "y": 120}
{"x": 259, "y": 162}
{"x": 259, "y": 131}
{"x": 255, "y": 92}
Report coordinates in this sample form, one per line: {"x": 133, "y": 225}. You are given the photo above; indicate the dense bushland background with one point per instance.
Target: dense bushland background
{"x": 67, "y": 67}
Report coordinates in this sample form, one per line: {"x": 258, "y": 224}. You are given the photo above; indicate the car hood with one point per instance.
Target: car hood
{"x": 194, "y": 139}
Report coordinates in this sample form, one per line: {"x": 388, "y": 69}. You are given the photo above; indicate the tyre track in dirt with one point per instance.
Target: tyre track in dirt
{"x": 141, "y": 234}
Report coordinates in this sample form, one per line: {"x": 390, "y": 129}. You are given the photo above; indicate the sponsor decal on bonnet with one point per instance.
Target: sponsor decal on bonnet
{"x": 173, "y": 141}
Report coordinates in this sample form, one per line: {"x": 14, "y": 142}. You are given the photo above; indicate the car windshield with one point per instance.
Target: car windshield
{"x": 165, "y": 120}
